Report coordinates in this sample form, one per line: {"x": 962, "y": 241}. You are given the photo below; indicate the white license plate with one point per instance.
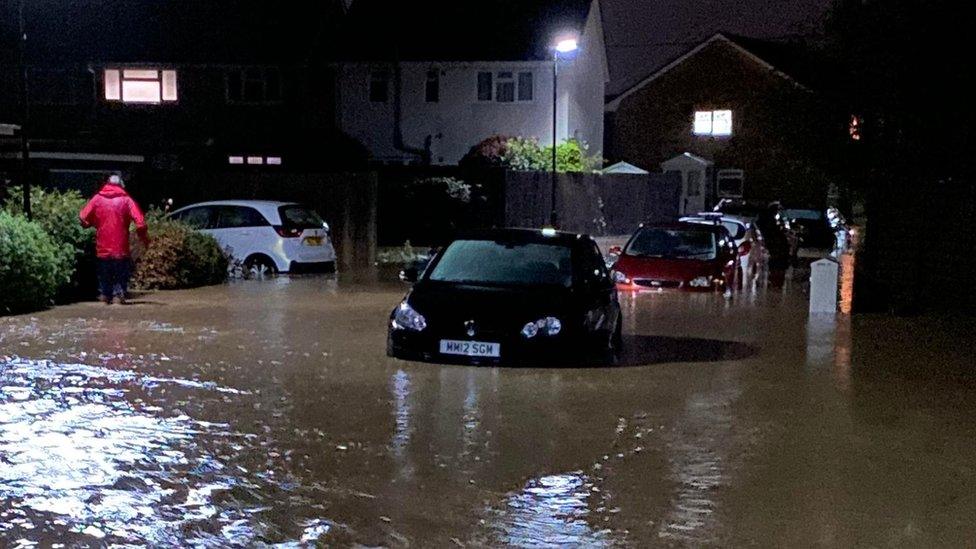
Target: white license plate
{"x": 470, "y": 348}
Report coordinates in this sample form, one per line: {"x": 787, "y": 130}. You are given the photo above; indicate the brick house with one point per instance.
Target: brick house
{"x": 728, "y": 102}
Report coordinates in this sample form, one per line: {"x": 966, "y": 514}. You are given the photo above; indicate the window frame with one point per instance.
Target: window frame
{"x": 244, "y": 77}
{"x": 432, "y": 82}
{"x": 217, "y": 222}
{"x": 698, "y": 117}
{"x": 117, "y": 78}
{"x": 373, "y": 79}
{"x": 497, "y": 78}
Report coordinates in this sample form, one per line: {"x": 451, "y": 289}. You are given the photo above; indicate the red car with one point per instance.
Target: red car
{"x": 685, "y": 256}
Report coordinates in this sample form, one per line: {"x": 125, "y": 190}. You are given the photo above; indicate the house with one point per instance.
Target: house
{"x": 145, "y": 85}
{"x": 728, "y": 116}
{"x": 424, "y": 82}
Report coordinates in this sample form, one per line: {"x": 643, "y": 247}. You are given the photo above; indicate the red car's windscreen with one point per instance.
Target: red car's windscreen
{"x": 673, "y": 244}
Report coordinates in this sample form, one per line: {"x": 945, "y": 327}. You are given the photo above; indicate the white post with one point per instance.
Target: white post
{"x": 823, "y": 286}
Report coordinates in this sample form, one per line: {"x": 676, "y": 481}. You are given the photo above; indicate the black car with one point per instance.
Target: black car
{"x": 510, "y": 295}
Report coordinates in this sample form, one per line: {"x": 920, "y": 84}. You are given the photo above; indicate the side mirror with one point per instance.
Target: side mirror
{"x": 409, "y": 275}
{"x": 615, "y": 250}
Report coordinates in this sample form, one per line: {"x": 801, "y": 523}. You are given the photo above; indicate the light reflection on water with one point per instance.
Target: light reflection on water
{"x": 87, "y": 458}
{"x": 551, "y": 511}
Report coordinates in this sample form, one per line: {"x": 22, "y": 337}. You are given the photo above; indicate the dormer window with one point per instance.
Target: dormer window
{"x": 147, "y": 86}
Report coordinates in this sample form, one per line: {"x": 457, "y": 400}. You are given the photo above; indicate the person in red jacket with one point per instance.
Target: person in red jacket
{"x": 111, "y": 211}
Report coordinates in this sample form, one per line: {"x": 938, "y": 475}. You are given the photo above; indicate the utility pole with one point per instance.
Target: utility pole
{"x": 25, "y": 169}
{"x": 552, "y": 189}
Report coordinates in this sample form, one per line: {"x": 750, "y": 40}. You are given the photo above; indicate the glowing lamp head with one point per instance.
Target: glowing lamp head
{"x": 566, "y": 45}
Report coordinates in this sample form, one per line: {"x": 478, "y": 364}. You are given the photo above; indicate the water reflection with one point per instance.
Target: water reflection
{"x": 403, "y": 427}
{"x": 698, "y": 454}
{"x": 89, "y": 457}
{"x": 550, "y": 511}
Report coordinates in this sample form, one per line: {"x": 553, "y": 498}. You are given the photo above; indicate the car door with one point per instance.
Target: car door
{"x": 237, "y": 230}
{"x": 599, "y": 293}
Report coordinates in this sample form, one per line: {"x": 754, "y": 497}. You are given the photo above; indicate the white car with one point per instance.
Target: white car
{"x": 753, "y": 256}
{"x": 267, "y": 237}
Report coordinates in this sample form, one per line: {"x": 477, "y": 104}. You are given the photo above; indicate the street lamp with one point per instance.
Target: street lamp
{"x": 25, "y": 110}
{"x": 563, "y": 45}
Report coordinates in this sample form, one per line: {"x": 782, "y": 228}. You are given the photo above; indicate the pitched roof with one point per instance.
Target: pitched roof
{"x": 456, "y": 30}
{"x": 748, "y": 46}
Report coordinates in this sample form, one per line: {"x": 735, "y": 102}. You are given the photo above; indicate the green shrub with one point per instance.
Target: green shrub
{"x": 178, "y": 257}
{"x": 32, "y": 266}
{"x": 57, "y": 213}
{"x": 521, "y": 153}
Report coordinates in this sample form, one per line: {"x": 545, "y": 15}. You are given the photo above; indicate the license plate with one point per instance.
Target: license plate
{"x": 313, "y": 241}
{"x": 470, "y": 348}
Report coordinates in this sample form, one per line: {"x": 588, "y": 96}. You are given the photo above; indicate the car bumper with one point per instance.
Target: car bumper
{"x": 421, "y": 347}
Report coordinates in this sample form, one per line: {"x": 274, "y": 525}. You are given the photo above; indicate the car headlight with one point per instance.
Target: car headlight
{"x": 700, "y": 282}
{"x": 406, "y": 318}
{"x": 549, "y": 326}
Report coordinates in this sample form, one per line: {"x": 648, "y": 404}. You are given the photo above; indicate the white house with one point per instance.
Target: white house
{"x": 437, "y": 84}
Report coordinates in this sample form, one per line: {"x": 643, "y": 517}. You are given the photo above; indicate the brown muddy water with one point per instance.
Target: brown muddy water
{"x": 266, "y": 413}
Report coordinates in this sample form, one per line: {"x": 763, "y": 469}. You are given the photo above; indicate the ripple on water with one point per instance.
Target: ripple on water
{"x": 81, "y": 463}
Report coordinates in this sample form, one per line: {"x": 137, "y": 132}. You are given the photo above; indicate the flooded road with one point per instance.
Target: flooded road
{"x": 267, "y": 413}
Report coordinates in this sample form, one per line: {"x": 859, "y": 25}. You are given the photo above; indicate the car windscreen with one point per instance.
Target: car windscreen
{"x": 300, "y": 217}
{"x": 489, "y": 262}
{"x": 810, "y": 215}
{"x": 673, "y": 244}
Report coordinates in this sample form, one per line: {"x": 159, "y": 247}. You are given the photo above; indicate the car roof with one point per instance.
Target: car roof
{"x": 717, "y": 217}
{"x": 685, "y": 225}
{"x": 531, "y": 236}
{"x": 251, "y": 203}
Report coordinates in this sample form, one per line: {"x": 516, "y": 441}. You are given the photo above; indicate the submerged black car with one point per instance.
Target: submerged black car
{"x": 510, "y": 295}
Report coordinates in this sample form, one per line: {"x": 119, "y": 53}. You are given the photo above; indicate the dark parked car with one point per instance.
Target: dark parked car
{"x": 681, "y": 256}
{"x": 813, "y": 227}
{"x": 780, "y": 237}
{"x": 509, "y": 295}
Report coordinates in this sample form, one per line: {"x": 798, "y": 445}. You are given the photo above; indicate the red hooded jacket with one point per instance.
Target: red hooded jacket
{"x": 110, "y": 212}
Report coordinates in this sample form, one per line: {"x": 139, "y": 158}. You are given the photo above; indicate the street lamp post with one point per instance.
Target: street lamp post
{"x": 566, "y": 45}
{"x": 25, "y": 112}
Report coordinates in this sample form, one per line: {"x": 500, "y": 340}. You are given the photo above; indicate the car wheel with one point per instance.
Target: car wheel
{"x": 260, "y": 267}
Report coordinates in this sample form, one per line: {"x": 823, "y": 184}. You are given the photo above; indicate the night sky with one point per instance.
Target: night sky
{"x": 679, "y": 23}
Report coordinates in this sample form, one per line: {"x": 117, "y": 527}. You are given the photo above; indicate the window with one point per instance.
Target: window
{"x": 484, "y": 86}
{"x": 235, "y": 217}
{"x": 525, "y": 88}
{"x": 254, "y": 85}
{"x": 505, "y": 86}
{"x": 730, "y": 183}
{"x": 149, "y": 86}
{"x": 432, "y": 91}
{"x": 253, "y": 160}
{"x": 379, "y": 86}
{"x": 198, "y": 218}
{"x": 713, "y": 123}
{"x": 489, "y": 263}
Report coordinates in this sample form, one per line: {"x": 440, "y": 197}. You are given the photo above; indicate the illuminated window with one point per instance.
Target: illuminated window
{"x": 854, "y": 129}
{"x": 235, "y": 160}
{"x": 149, "y": 86}
{"x": 255, "y": 160}
{"x": 713, "y": 123}
{"x": 273, "y": 160}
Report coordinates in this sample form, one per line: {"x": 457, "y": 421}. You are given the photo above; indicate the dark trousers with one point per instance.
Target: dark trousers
{"x": 113, "y": 276}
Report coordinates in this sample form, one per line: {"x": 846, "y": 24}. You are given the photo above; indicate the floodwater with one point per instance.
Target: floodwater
{"x": 267, "y": 413}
